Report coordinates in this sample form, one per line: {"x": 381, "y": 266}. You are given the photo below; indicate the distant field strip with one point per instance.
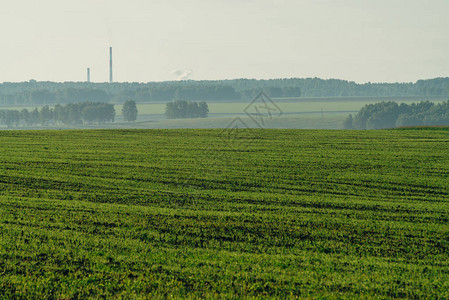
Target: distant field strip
{"x": 224, "y": 214}
{"x": 297, "y": 113}
{"x": 292, "y": 106}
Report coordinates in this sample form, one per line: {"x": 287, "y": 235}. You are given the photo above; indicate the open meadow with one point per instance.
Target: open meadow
{"x": 224, "y": 213}
{"x": 297, "y": 113}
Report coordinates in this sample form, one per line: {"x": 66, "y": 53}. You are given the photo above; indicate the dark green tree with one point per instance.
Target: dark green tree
{"x": 203, "y": 109}
{"x": 25, "y": 116}
{"x": 181, "y": 109}
{"x": 34, "y": 116}
{"x": 45, "y": 115}
{"x": 129, "y": 111}
{"x": 390, "y": 114}
{"x": 347, "y": 123}
{"x": 12, "y": 118}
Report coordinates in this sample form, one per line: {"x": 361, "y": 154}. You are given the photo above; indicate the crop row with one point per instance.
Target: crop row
{"x": 194, "y": 213}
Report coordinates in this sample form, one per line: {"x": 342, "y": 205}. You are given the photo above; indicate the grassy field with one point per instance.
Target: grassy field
{"x": 294, "y": 106}
{"x": 224, "y": 213}
{"x": 238, "y": 107}
{"x": 304, "y": 121}
{"x": 297, "y": 113}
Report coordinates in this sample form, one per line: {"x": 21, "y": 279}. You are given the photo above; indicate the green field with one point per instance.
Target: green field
{"x": 224, "y": 214}
{"x": 238, "y": 107}
{"x": 286, "y": 105}
{"x": 297, "y": 113}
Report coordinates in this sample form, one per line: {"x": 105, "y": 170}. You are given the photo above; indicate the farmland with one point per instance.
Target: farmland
{"x": 224, "y": 213}
{"x": 297, "y": 113}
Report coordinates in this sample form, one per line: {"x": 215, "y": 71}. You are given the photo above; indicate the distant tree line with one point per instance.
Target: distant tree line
{"x": 46, "y": 97}
{"x": 182, "y": 109}
{"x": 390, "y": 114}
{"x": 316, "y": 87}
{"x": 51, "y": 93}
{"x": 79, "y": 113}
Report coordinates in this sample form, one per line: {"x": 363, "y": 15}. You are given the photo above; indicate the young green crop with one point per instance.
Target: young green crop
{"x": 210, "y": 213}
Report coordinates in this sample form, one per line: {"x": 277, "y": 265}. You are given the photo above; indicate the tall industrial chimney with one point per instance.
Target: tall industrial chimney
{"x": 88, "y": 74}
{"x": 110, "y": 64}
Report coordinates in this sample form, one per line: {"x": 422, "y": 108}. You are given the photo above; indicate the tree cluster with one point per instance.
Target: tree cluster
{"x": 390, "y": 114}
{"x": 80, "y": 113}
{"x": 182, "y": 109}
{"x": 129, "y": 111}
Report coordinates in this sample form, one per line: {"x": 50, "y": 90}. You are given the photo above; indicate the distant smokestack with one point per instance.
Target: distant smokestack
{"x": 88, "y": 74}
{"x": 110, "y": 64}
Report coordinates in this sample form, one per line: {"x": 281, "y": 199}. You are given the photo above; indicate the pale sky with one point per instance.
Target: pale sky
{"x": 357, "y": 40}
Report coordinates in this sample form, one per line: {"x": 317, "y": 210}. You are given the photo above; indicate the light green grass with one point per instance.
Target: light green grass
{"x": 305, "y": 121}
{"x": 286, "y": 106}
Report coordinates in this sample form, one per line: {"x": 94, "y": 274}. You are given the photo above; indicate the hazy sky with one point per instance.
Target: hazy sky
{"x": 359, "y": 40}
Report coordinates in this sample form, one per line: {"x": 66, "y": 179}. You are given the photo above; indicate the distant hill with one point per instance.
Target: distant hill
{"x": 40, "y": 93}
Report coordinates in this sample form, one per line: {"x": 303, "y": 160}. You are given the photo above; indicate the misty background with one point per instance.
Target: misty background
{"x": 357, "y": 40}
